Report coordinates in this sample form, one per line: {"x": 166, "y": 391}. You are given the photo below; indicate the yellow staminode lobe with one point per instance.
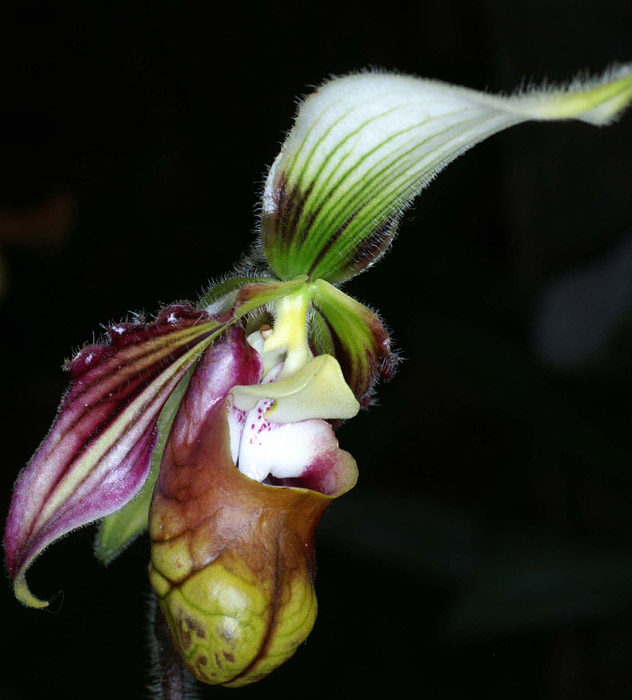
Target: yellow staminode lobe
{"x": 307, "y": 387}
{"x": 316, "y": 390}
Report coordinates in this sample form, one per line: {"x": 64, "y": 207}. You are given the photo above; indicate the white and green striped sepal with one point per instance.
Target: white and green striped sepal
{"x": 363, "y": 146}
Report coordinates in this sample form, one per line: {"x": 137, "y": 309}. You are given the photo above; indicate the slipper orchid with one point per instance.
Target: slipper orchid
{"x": 221, "y": 444}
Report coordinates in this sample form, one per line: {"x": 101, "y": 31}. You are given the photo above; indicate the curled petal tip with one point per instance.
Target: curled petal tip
{"x": 23, "y": 594}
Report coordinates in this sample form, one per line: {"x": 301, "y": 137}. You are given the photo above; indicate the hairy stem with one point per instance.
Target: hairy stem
{"x": 169, "y": 679}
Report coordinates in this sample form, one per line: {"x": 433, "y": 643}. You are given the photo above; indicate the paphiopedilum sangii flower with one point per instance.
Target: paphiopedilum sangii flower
{"x": 222, "y": 443}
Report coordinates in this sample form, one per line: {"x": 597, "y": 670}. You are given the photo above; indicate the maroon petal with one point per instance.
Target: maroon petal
{"x": 97, "y": 454}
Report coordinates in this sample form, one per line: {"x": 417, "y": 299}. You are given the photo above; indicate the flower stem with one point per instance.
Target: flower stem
{"x": 170, "y": 680}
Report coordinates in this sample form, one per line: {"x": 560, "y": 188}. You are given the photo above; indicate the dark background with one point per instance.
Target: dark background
{"x": 486, "y": 548}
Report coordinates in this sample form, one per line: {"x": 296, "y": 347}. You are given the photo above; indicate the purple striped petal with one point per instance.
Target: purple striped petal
{"x": 97, "y": 454}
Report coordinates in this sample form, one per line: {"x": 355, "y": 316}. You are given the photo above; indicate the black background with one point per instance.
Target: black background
{"x": 486, "y": 547}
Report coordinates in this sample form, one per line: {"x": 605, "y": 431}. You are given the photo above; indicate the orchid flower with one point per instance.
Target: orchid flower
{"x": 212, "y": 426}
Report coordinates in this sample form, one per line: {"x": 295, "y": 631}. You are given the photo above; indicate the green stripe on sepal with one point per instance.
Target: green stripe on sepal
{"x": 222, "y": 295}
{"x": 118, "y": 530}
{"x": 241, "y": 295}
{"x": 364, "y": 146}
{"x": 320, "y": 334}
{"x": 355, "y": 335}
